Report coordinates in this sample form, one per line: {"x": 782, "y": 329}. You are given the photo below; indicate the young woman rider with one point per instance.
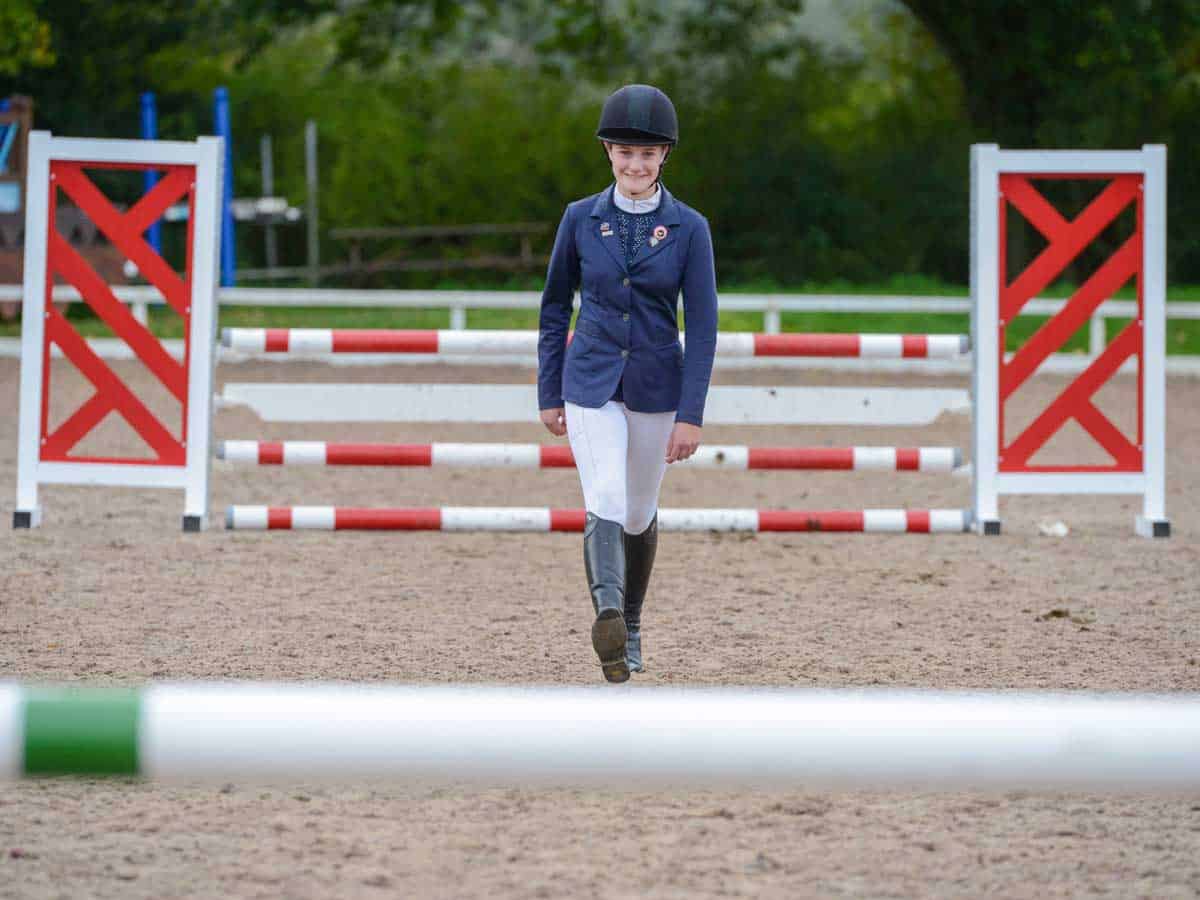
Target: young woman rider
{"x": 629, "y": 398}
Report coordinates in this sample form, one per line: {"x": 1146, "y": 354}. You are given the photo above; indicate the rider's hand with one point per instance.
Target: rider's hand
{"x": 555, "y": 421}
{"x": 685, "y": 438}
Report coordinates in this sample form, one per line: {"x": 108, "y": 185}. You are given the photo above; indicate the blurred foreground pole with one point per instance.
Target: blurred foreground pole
{"x": 797, "y": 739}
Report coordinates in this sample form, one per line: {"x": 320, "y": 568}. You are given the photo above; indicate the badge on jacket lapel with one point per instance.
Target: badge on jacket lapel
{"x": 660, "y": 232}
{"x": 605, "y": 230}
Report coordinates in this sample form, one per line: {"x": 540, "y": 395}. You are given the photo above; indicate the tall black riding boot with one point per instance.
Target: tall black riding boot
{"x": 604, "y": 561}
{"x": 639, "y": 561}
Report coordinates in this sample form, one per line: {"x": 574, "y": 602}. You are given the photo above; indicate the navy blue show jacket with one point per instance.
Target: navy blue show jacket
{"x": 627, "y": 333}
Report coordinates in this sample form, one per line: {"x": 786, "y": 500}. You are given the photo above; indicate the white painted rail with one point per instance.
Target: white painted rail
{"x": 459, "y": 302}
{"x": 737, "y": 302}
{"x": 726, "y": 405}
{"x": 770, "y": 305}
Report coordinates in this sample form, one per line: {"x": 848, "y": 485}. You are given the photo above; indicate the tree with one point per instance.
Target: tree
{"x": 605, "y": 42}
{"x": 1064, "y": 73}
{"x": 24, "y": 38}
{"x": 85, "y": 61}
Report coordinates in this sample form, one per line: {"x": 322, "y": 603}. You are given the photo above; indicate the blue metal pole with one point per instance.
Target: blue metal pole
{"x": 228, "y": 254}
{"x": 6, "y": 132}
{"x": 150, "y": 177}
{"x": 7, "y": 135}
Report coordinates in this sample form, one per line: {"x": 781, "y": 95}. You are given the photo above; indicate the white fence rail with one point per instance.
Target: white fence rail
{"x": 772, "y": 306}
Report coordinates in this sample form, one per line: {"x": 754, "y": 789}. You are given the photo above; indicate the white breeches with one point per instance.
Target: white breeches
{"x": 621, "y": 456}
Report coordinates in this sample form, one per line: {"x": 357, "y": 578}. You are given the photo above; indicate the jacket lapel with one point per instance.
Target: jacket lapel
{"x": 668, "y": 217}
{"x": 603, "y": 214}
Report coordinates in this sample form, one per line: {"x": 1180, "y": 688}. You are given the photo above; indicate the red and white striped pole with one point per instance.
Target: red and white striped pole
{"x": 552, "y": 456}
{"x": 478, "y": 341}
{"x": 541, "y": 519}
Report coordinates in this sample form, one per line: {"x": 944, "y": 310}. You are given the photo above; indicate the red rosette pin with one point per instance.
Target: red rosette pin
{"x": 660, "y": 232}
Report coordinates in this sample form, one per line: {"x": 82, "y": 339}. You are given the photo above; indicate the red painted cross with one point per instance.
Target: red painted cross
{"x": 1066, "y": 241}
{"x": 125, "y": 231}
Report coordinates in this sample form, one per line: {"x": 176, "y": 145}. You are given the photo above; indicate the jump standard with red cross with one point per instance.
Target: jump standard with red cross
{"x": 1005, "y": 182}
{"x": 179, "y": 447}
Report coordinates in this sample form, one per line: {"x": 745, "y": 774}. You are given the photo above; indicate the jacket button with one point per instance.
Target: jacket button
{"x": 625, "y": 317}
{"x": 625, "y": 282}
{"x": 624, "y": 354}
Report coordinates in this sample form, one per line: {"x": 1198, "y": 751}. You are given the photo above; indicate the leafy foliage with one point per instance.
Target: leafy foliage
{"x": 1060, "y": 73}
{"x": 811, "y": 163}
{"x": 24, "y": 38}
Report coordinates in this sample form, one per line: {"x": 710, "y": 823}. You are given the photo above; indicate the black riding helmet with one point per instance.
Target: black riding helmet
{"x": 639, "y": 115}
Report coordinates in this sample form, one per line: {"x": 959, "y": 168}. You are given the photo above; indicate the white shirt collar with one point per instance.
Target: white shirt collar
{"x": 637, "y": 206}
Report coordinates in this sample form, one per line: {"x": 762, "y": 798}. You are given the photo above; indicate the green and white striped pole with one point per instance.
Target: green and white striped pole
{"x": 605, "y": 736}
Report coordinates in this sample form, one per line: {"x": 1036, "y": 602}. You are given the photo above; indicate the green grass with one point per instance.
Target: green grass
{"x": 1183, "y": 337}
